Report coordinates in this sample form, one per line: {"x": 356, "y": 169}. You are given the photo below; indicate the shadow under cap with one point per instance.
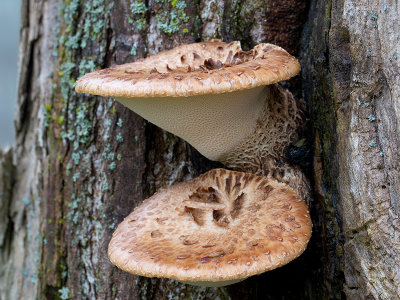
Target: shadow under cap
{"x": 217, "y": 229}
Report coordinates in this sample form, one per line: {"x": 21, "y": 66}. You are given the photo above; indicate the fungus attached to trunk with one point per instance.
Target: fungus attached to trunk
{"x": 223, "y": 226}
{"x": 211, "y": 94}
{"x": 217, "y": 229}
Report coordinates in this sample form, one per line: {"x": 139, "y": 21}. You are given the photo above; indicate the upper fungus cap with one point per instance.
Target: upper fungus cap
{"x": 210, "y": 94}
{"x": 221, "y": 226}
{"x": 194, "y": 69}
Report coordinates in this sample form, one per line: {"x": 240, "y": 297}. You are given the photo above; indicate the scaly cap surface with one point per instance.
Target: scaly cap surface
{"x": 221, "y": 226}
{"x": 194, "y": 69}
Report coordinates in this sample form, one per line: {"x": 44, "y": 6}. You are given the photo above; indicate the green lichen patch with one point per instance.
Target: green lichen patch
{"x": 120, "y": 122}
{"x": 373, "y": 16}
{"x": 64, "y": 293}
{"x": 138, "y": 7}
{"x": 138, "y": 11}
{"x": 119, "y": 138}
{"x": 171, "y": 19}
{"x": 81, "y": 41}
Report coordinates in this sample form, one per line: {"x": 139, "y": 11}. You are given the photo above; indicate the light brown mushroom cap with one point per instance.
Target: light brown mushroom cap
{"x": 221, "y": 226}
{"x": 212, "y": 120}
{"x": 194, "y": 69}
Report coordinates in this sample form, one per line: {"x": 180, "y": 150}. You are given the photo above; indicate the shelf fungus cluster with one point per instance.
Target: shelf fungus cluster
{"x": 223, "y": 226}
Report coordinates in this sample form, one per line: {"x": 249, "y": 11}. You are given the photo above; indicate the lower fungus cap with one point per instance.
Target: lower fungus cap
{"x": 219, "y": 228}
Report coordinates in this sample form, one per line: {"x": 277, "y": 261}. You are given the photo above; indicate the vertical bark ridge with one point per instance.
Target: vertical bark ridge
{"x": 368, "y": 132}
{"x": 317, "y": 91}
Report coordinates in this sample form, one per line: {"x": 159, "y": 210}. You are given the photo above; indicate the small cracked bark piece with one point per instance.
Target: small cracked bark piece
{"x": 221, "y": 226}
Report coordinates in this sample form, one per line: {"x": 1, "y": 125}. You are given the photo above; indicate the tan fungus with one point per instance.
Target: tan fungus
{"x": 211, "y": 94}
{"x": 193, "y": 69}
{"x": 223, "y": 225}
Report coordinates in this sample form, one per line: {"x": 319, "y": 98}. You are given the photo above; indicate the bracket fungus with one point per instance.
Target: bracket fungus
{"x": 211, "y": 94}
{"x": 214, "y": 230}
{"x": 223, "y": 226}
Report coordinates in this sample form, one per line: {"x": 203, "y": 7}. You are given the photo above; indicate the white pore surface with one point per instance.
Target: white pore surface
{"x": 212, "y": 283}
{"x": 213, "y": 124}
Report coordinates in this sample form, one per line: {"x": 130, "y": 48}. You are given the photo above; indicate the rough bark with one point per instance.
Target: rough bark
{"x": 82, "y": 163}
{"x": 351, "y": 79}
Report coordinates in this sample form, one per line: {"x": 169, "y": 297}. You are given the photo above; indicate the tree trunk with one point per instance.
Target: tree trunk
{"x": 356, "y": 114}
{"x": 81, "y": 164}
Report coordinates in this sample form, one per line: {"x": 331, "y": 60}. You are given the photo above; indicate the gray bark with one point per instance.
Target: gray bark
{"x": 81, "y": 164}
{"x": 356, "y": 118}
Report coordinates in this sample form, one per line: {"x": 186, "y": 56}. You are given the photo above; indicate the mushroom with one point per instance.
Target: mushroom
{"x": 214, "y": 230}
{"x": 223, "y": 226}
{"x": 212, "y": 94}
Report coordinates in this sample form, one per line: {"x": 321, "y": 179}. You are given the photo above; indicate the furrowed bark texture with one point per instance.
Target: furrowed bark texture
{"x": 81, "y": 164}
{"x": 351, "y": 78}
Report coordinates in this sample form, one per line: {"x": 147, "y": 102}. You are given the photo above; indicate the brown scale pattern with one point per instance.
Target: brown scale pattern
{"x": 223, "y": 225}
{"x": 193, "y": 69}
{"x": 263, "y": 153}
